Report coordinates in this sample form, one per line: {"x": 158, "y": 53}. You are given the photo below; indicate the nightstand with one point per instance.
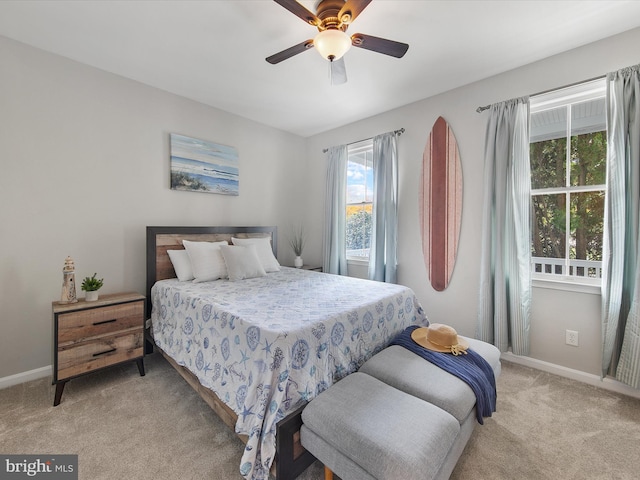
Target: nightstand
{"x": 312, "y": 267}
{"x": 315, "y": 268}
{"x": 89, "y": 336}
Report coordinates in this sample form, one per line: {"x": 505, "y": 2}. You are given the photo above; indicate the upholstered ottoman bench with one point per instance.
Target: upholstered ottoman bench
{"x": 362, "y": 428}
{"x": 399, "y": 417}
{"x": 398, "y": 367}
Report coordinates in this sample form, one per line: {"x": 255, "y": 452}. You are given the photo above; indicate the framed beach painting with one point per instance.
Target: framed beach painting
{"x": 202, "y": 166}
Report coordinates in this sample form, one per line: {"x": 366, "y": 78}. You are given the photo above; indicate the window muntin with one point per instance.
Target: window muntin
{"x": 359, "y": 203}
{"x": 568, "y": 177}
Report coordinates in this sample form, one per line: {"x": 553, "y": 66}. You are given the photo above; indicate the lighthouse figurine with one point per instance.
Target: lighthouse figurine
{"x": 68, "y": 282}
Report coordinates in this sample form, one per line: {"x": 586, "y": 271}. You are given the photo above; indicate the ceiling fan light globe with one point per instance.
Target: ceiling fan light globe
{"x": 332, "y": 44}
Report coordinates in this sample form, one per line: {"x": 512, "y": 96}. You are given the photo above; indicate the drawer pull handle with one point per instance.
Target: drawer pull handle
{"x": 102, "y": 353}
{"x": 105, "y": 321}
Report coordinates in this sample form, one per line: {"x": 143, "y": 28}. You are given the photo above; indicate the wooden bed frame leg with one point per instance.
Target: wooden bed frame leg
{"x": 328, "y": 474}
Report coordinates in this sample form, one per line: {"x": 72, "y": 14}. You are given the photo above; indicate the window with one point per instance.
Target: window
{"x": 359, "y": 200}
{"x": 568, "y": 176}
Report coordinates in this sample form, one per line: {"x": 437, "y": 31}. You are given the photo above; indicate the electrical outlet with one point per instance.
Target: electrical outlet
{"x": 571, "y": 338}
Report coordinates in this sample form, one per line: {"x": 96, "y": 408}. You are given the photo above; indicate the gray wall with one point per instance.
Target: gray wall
{"x": 85, "y": 168}
{"x": 69, "y": 131}
{"x": 553, "y": 311}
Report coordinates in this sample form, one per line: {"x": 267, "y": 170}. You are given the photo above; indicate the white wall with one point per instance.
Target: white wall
{"x": 85, "y": 168}
{"x": 553, "y": 311}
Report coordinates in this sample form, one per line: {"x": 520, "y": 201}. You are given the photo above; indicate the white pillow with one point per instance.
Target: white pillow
{"x": 181, "y": 264}
{"x": 263, "y": 249}
{"x": 242, "y": 262}
{"x": 206, "y": 260}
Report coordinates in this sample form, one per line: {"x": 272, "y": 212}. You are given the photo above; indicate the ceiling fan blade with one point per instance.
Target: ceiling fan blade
{"x": 289, "y": 52}
{"x": 380, "y": 45}
{"x": 300, "y": 11}
{"x": 338, "y": 72}
{"x": 353, "y": 8}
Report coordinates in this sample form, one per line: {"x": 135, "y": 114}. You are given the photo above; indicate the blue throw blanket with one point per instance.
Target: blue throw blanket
{"x": 470, "y": 368}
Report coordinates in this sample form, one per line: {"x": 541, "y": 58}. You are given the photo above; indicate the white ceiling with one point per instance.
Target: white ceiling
{"x": 214, "y": 51}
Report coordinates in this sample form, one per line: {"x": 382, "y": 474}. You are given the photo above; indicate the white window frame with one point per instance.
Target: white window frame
{"x": 355, "y": 149}
{"x": 572, "y": 95}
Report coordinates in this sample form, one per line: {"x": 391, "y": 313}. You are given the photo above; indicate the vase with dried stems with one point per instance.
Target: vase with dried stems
{"x": 296, "y": 240}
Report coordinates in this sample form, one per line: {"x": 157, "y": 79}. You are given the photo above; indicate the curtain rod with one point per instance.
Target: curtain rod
{"x": 487, "y": 107}
{"x": 395, "y": 132}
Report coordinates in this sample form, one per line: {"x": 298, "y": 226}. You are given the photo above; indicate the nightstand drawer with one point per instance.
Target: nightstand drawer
{"x": 77, "y": 326}
{"x": 76, "y": 359}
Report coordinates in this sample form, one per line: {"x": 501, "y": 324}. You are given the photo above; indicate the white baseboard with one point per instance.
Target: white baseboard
{"x": 588, "y": 378}
{"x": 18, "y": 378}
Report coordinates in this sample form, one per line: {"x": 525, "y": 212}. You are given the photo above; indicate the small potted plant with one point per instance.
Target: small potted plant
{"x": 297, "y": 244}
{"x": 91, "y": 285}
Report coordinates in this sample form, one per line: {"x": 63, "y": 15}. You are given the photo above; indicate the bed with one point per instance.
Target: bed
{"x": 258, "y": 349}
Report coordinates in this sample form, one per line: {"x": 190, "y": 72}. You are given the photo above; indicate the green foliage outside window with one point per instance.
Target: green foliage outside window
{"x": 358, "y": 231}
{"x": 586, "y": 209}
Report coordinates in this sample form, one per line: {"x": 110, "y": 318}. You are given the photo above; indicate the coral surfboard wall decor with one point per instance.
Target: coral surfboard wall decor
{"x": 440, "y": 204}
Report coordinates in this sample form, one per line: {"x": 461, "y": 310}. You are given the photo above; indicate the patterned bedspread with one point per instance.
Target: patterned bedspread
{"x": 267, "y": 345}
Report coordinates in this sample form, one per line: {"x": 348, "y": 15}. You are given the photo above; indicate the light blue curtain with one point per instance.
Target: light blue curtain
{"x": 384, "y": 228}
{"x": 505, "y": 270}
{"x": 621, "y": 270}
{"x": 335, "y": 250}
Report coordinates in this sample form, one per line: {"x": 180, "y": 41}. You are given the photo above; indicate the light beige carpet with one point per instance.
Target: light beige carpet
{"x": 155, "y": 427}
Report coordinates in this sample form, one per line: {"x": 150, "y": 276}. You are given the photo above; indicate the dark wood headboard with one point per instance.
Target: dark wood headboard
{"x": 161, "y": 239}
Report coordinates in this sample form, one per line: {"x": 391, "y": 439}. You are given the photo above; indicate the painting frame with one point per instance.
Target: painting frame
{"x": 203, "y": 166}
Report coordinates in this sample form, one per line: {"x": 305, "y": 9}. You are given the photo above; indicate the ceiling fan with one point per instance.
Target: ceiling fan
{"x": 332, "y": 18}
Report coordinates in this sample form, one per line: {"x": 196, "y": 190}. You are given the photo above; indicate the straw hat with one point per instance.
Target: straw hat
{"x": 440, "y": 338}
